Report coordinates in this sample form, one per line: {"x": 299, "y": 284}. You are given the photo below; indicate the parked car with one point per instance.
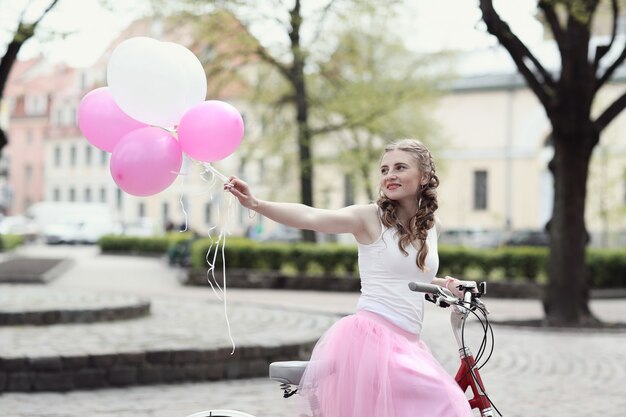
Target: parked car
{"x": 144, "y": 227}
{"x": 60, "y": 233}
{"x": 282, "y": 233}
{"x": 18, "y": 225}
{"x": 477, "y": 238}
{"x": 528, "y": 238}
{"x": 63, "y": 222}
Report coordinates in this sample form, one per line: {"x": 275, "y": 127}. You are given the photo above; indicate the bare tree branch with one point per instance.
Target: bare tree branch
{"x": 601, "y": 50}
{"x": 325, "y": 12}
{"x": 547, "y": 8}
{"x": 271, "y": 60}
{"x": 401, "y": 96}
{"x": 610, "y": 113}
{"x": 538, "y": 79}
{"x": 619, "y": 60}
{"x": 24, "y": 32}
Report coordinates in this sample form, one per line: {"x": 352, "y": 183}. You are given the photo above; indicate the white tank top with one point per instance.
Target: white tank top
{"x": 385, "y": 274}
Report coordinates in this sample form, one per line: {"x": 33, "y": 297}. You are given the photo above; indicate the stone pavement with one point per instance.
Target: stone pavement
{"x": 531, "y": 373}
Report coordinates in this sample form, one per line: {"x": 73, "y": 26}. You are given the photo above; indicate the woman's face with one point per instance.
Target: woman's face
{"x": 400, "y": 176}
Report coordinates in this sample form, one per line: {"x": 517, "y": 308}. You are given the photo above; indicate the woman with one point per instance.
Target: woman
{"x": 373, "y": 363}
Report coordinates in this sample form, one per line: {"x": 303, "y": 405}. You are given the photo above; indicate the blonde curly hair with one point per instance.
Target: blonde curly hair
{"x": 424, "y": 218}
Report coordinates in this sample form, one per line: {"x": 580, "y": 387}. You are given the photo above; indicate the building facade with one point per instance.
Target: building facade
{"x": 492, "y": 164}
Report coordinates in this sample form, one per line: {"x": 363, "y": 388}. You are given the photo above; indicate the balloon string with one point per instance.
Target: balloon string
{"x": 211, "y": 271}
{"x": 221, "y": 176}
{"x": 182, "y": 204}
{"x": 215, "y": 248}
{"x": 230, "y": 335}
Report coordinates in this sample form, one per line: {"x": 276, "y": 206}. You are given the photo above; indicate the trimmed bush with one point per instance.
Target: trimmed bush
{"x": 607, "y": 267}
{"x": 9, "y": 242}
{"x": 128, "y": 244}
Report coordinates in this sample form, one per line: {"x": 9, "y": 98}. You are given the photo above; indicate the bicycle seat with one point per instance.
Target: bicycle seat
{"x": 288, "y": 372}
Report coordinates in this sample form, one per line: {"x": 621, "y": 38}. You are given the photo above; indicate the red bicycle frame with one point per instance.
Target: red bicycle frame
{"x": 467, "y": 375}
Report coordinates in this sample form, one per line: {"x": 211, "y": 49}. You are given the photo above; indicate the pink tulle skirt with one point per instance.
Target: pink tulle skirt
{"x": 366, "y": 366}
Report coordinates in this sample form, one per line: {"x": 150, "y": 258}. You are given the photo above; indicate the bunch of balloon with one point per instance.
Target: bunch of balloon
{"x": 152, "y": 111}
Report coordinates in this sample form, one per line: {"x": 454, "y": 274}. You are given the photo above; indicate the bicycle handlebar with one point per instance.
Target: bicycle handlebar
{"x": 443, "y": 297}
{"x": 423, "y": 287}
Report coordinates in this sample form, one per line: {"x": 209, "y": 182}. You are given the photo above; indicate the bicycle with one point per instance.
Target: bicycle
{"x": 289, "y": 373}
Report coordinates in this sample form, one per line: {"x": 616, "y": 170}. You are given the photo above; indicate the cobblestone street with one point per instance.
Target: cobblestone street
{"x": 532, "y": 373}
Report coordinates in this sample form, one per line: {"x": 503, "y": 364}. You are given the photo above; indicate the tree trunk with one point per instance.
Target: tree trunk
{"x": 566, "y": 301}
{"x": 302, "y": 116}
{"x": 304, "y": 153}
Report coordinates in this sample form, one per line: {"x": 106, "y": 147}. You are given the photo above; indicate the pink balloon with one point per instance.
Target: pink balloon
{"x": 146, "y": 161}
{"x": 101, "y": 120}
{"x": 210, "y": 131}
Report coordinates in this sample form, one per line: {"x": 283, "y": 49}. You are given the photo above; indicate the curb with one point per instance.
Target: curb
{"x": 65, "y": 373}
{"x": 251, "y": 279}
{"x": 47, "y": 317}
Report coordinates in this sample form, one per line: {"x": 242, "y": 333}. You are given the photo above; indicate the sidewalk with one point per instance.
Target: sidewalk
{"x": 531, "y": 373}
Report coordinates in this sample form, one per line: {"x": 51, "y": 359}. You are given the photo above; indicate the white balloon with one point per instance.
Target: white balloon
{"x": 155, "y": 82}
{"x": 194, "y": 77}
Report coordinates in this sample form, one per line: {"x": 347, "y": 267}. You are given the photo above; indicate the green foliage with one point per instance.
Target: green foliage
{"x": 9, "y": 242}
{"x": 607, "y": 268}
{"x": 131, "y": 245}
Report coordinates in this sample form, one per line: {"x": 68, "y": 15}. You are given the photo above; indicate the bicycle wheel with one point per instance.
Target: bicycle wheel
{"x": 221, "y": 413}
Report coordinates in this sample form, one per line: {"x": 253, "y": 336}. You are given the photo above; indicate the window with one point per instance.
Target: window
{"x": 119, "y": 199}
{"x": 73, "y": 155}
{"x": 165, "y": 212}
{"x": 83, "y": 80}
{"x": 57, "y": 156}
{"x": 480, "y": 190}
{"x": 74, "y": 117}
{"x": 28, "y": 173}
{"x": 35, "y": 105}
{"x": 103, "y": 157}
{"x": 72, "y": 194}
{"x": 56, "y": 195}
{"x": 348, "y": 190}
{"x": 88, "y": 195}
{"x": 88, "y": 155}
{"x": 103, "y": 195}
{"x": 141, "y": 210}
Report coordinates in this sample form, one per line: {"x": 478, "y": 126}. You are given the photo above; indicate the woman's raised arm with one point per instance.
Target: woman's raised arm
{"x": 351, "y": 219}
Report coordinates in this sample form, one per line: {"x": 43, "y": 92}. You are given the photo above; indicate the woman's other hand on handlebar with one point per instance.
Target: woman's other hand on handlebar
{"x": 452, "y": 284}
{"x": 241, "y": 190}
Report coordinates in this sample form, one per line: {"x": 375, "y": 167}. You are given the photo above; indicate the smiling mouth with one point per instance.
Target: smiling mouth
{"x": 393, "y": 186}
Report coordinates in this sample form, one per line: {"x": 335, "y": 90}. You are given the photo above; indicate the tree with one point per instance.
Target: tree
{"x": 372, "y": 89}
{"x": 25, "y": 31}
{"x": 305, "y": 42}
{"x": 567, "y": 96}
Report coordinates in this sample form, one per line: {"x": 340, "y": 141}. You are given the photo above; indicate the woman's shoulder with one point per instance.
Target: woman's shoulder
{"x": 363, "y": 208}
{"x": 368, "y": 211}
{"x": 370, "y": 230}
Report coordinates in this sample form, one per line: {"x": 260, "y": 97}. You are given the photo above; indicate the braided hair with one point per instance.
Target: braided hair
{"x": 424, "y": 218}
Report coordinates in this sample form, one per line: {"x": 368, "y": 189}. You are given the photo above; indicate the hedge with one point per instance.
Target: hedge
{"x": 607, "y": 267}
{"x": 157, "y": 245}
{"x": 9, "y": 242}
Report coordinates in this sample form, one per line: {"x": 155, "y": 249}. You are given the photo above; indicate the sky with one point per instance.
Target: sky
{"x": 427, "y": 26}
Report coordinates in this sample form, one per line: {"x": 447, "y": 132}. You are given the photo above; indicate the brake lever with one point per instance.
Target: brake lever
{"x": 436, "y": 300}
{"x": 439, "y": 299}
